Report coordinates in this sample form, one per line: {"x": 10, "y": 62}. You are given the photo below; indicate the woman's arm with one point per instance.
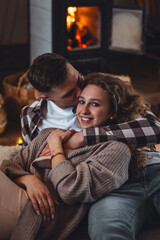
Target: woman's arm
{"x": 38, "y": 194}
{"x": 96, "y": 173}
{"x": 55, "y": 141}
{"x": 18, "y": 169}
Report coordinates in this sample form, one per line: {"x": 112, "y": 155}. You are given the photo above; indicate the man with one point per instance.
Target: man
{"x": 59, "y": 83}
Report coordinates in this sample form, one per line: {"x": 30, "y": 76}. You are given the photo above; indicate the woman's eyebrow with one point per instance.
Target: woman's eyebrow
{"x": 92, "y": 99}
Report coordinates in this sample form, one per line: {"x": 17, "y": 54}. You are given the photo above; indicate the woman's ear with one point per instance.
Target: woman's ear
{"x": 112, "y": 116}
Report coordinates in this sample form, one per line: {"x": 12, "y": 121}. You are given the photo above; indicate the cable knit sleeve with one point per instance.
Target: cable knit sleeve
{"x": 103, "y": 170}
{"x": 19, "y": 164}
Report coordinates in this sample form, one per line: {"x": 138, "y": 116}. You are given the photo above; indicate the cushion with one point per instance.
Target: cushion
{"x": 7, "y": 151}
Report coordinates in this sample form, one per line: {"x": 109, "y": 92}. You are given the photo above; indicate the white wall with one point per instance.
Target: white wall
{"x": 40, "y": 27}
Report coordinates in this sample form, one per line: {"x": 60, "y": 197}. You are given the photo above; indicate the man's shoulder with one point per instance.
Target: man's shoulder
{"x": 32, "y": 109}
{"x": 36, "y": 105}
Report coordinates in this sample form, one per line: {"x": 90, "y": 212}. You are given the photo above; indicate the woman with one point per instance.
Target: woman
{"x": 71, "y": 178}
{"x": 137, "y": 202}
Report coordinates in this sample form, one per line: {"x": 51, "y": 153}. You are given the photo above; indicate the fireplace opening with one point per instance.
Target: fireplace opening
{"x": 83, "y": 27}
{"x": 80, "y": 32}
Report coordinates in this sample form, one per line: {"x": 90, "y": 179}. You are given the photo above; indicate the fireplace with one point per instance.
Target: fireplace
{"x": 80, "y": 32}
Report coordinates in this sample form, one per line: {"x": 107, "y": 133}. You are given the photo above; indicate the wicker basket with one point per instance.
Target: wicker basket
{"x": 13, "y": 86}
{"x": 3, "y": 116}
{"x": 16, "y": 95}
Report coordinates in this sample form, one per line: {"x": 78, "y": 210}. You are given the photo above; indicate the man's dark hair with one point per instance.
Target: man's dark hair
{"x": 48, "y": 70}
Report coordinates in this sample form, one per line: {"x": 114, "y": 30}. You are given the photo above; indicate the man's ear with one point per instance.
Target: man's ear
{"x": 39, "y": 94}
{"x": 44, "y": 97}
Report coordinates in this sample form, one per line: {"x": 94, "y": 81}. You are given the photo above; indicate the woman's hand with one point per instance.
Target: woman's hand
{"x": 55, "y": 141}
{"x": 57, "y": 137}
{"x": 39, "y": 195}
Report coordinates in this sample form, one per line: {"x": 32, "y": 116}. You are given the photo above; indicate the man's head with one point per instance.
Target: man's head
{"x": 54, "y": 77}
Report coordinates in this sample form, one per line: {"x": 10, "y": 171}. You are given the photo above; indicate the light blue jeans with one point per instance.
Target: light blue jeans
{"x": 123, "y": 213}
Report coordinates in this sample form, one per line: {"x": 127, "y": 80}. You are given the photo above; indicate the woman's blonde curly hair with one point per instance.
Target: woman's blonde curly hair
{"x": 125, "y": 105}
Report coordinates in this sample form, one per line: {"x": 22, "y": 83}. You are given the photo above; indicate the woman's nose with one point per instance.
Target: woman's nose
{"x": 85, "y": 109}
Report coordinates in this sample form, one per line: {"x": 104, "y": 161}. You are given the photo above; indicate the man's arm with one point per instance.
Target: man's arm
{"x": 25, "y": 126}
{"x": 144, "y": 131}
{"x": 30, "y": 117}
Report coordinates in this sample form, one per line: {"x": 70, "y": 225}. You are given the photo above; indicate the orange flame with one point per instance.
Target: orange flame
{"x": 71, "y": 18}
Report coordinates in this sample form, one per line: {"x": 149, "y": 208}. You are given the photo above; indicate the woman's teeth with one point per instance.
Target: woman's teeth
{"x": 85, "y": 119}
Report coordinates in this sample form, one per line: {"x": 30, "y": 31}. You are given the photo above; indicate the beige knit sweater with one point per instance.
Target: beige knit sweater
{"x": 86, "y": 175}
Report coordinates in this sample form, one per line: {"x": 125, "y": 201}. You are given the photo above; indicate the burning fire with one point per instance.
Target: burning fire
{"x": 75, "y": 30}
{"x": 70, "y": 16}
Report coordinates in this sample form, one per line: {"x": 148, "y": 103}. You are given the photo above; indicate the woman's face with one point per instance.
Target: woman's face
{"x": 93, "y": 107}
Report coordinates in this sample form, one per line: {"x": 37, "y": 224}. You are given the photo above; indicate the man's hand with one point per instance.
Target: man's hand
{"x": 39, "y": 195}
{"x": 75, "y": 141}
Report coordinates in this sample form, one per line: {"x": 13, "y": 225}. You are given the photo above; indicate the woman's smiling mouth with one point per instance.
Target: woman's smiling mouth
{"x": 86, "y": 119}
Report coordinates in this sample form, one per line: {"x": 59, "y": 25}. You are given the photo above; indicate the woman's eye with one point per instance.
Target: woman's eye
{"x": 94, "y": 104}
{"x": 80, "y": 102}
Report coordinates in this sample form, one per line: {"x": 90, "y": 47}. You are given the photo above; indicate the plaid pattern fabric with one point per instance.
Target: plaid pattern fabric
{"x": 31, "y": 116}
{"x": 144, "y": 131}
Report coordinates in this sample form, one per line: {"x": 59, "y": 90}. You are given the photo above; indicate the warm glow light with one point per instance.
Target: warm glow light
{"x": 19, "y": 141}
{"x": 71, "y": 11}
{"x": 70, "y": 16}
{"x": 80, "y": 32}
{"x": 78, "y": 37}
